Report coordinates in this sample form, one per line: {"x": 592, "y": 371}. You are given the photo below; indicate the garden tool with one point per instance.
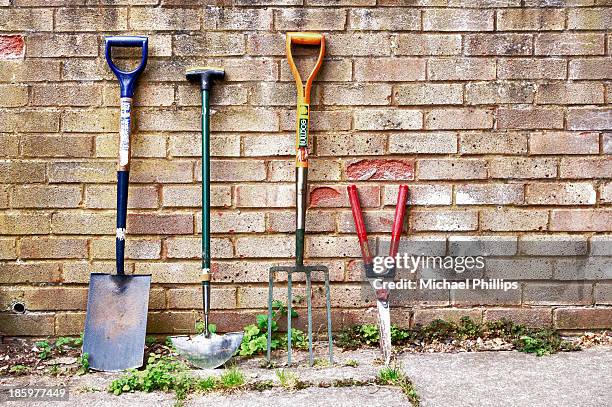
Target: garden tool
{"x": 207, "y": 350}
{"x": 117, "y": 304}
{"x": 382, "y": 294}
{"x": 301, "y": 191}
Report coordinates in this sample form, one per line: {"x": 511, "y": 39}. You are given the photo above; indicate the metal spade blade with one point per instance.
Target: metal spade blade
{"x": 207, "y": 353}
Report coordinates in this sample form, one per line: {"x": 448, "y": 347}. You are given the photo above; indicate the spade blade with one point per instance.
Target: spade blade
{"x": 116, "y": 321}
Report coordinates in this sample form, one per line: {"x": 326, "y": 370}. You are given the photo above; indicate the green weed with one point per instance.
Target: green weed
{"x": 351, "y": 363}
{"x": 288, "y": 380}
{"x": 395, "y": 377}
{"x": 255, "y": 337}
{"x": 231, "y": 379}
{"x": 19, "y": 369}
{"x": 44, "y": 349}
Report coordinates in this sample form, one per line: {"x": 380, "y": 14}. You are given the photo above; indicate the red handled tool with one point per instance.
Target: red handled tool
{"x": 382, "y": 294}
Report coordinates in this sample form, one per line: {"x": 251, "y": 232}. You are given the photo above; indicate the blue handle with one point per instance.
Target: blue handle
{"x": 127, "y": 80}
{"x": 123, "y": 180}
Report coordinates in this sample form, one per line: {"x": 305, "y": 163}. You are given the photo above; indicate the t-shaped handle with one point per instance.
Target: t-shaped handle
{"x": 205, "y": 75}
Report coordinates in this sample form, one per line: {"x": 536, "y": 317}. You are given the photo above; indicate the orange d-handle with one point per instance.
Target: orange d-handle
{"x": 303, "y": 38}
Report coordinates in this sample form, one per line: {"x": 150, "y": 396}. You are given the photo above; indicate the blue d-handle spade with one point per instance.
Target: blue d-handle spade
{"x": 117, "y": 304}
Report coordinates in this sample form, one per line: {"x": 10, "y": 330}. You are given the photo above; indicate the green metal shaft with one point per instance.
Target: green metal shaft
{"x": 205, "y": 180}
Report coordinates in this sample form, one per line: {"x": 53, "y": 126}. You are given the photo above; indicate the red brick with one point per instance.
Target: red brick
{"x": 534, "y": 118}
{"x": 380, "y": 170}
{"x": 11, "y": 46}
{"x": 583, "y": 318}
{"x": 451, "y": 169}
{"x": 443, "y": 221}
{"x": 581, "y": 220}
{"x": 337, "y": 196}
{"x": 163, "y": 224}
{"x": 564, "y": 143}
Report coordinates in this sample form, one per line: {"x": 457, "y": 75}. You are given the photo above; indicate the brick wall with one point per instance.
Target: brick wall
{"x": 495, "y": 112}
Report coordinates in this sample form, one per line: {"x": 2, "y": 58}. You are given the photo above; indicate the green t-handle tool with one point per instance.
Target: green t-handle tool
{"x": 207, "y": 350}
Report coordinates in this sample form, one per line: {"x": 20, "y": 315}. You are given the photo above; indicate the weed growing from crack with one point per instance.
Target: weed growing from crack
{"x": 395, "y": 377}
{"x": 351, "y": 363}
{"x": 288, "y": 380}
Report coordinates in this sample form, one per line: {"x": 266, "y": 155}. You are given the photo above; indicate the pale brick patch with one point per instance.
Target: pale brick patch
{"x": 423, "y": 143}
{"x": 493, "y": 142}
{"x": 595, "y": 220}
{"x": 459, "y": 118}
{"x": 560, "y": 194}
{"x": 521, "y": 167}
{"x": 442, "y": 169}
{"x": 564, "y": 143}
{"x": 570, "y": 94}
{"x": 569, "y": 44}
{"x": 461, "y": 69}
{"x": 458, "y": 20}
{"x": 429, "y": 94}
{"x": 420, "y": 195}
{"x": 449, "y": 221}
{"x": 597, "y": 167}
{"x": 488, "y": 93}
{"x": 428, "y": 44}
{"x": 498, "y": 220}
{"x": 534, "y": 118}
{"x": 528, "y": 68}
{"x": 530, "y": 19}
{"x": 395, "y": 69}
{"x": 369, "y": 119}
{"x": 492, "y": 194}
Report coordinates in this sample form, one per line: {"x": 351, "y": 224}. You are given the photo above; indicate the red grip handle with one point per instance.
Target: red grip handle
{"x": 398, "y": 220}
{"x": 357, "y": 214}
